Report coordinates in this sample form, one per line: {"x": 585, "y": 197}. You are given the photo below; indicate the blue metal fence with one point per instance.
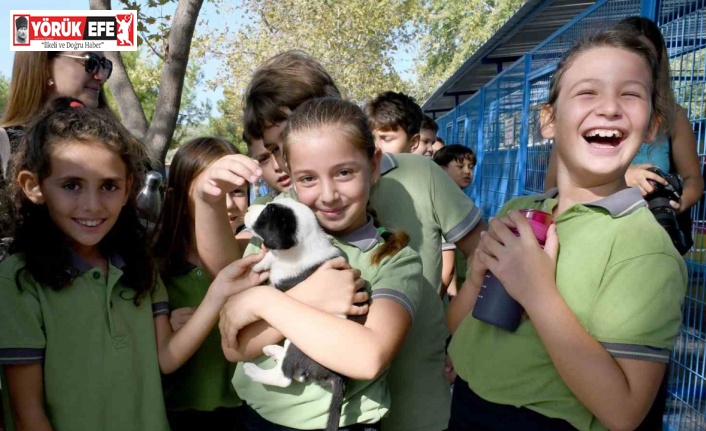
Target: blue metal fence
{"x": 501, "y": 124}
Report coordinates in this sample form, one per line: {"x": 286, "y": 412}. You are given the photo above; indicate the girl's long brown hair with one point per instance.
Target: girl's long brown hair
{"x": 175, "y": 223}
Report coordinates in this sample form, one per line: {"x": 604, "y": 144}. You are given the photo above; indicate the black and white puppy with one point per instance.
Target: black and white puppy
{"x": 297, "y": 247}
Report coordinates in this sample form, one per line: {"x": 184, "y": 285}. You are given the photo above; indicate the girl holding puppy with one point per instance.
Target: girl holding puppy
{"x": 603, "y": 310}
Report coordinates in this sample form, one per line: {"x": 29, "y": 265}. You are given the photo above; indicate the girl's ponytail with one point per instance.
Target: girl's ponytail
{"x": 394, "y": 240}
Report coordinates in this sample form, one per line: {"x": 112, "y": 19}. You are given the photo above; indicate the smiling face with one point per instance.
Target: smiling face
{"x": 335, "y": 183}
{"x": 427, "y": 138}
{"x": 602, "y": 116}
{"x": 85, "y": 192}
{"x": 71, "y": 79}
{"x": 272, "y": 172}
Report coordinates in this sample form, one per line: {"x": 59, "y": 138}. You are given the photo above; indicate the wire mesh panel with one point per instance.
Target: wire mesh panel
{"x": 549, "y": 52}
{"x": 502, "y": 125}
{"x": 683, "y": 24}
{"x": 538, "y": 148}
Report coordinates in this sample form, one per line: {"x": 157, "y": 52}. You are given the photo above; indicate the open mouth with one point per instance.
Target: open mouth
{"x": 284, "y": 180}
{"x": 88, "y": 223}
{"x": 604, "y": 138}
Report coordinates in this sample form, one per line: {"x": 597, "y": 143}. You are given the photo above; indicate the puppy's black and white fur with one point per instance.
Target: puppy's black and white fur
{"x": 297, "y": 247}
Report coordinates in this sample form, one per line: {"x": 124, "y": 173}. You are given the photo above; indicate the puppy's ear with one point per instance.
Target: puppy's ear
{"x": 277, "y": 226}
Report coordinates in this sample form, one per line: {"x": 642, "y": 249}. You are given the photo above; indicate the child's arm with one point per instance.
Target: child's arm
{"x": 216, "y": 245}
{"x": 26, "y": 388}
{"x": 447, "y": 270}
{"x": 360, "y": 352}
{"x": 617, "y": 391}
{"x": 333, "y": 289}
{"x": 176, "y": 348}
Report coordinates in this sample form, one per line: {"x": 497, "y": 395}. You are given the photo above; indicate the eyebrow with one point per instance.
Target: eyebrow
{"x": 598, "y": 81}
{"x": 70, "y": 178}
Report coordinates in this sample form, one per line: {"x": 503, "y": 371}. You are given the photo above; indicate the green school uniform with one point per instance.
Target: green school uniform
{"x": 415, "y": 195}
{"x": 618, "y": 272}
{"x": 97, "y": 348}
{"x": 203, "y": 382}
{"x": 305, "y": 405}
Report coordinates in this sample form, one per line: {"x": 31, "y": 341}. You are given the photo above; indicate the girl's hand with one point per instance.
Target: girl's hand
{"x": 449, "y": 372}
{"x": 240, "y": 311}
{"x": 638, "y": 176}
{"x": 526, "y": 271}
{"x": 179, "y": 317}
{"x": 224, "y": 175}
{"x": 333, "y": 289}
{"x": 237, "y": 277}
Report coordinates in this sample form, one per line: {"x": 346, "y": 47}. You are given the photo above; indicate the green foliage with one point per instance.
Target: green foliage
{"x": 453, "y": 31}
{"x": 357, "y": 42}
{"x": 4, "y": 93}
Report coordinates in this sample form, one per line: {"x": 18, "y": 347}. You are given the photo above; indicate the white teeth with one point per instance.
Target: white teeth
{"x": 604, "y": 133}
{"x": 89, "y": 223}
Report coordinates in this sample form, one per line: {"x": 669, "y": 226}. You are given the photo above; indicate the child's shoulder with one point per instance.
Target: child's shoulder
{"x": 639, "y": 234}
{"x": 10, "y": 266}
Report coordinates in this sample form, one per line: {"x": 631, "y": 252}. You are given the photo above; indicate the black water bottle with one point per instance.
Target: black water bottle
{"x": 494, "y": 305}
{"x": 149, "y": 200}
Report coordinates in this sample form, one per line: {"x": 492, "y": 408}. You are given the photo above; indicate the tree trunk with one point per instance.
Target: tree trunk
{"x": 129, "y": 107}
{"x": 158, "y": 135}
{"x": 166, "y": 113}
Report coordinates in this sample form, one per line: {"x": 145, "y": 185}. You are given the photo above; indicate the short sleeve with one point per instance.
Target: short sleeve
{"x": 400, "y": 279}
{"x": 637, "y": 313}
{"x": 160, "y": 299}
{"x": 455, "y": 212}
{"x": 22, "y": 338}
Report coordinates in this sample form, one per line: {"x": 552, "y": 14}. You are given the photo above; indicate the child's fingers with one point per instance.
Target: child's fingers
{"x": 358, "y": 310}
{"x": 337, "y": 263}
{"x": 551, "y": 245}
{"x": 360, "y": 297}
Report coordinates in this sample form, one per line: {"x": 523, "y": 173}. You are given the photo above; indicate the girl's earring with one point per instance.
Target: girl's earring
{"x": 50, "y": 82}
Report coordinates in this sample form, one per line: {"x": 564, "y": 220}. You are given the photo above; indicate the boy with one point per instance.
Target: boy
{"x": 274, "y": 176}
{"x": 395, "y": 120}
{"x": 438, "y": 144}
{"x": 458, "y": 162}
{"x": 427, "y": 137}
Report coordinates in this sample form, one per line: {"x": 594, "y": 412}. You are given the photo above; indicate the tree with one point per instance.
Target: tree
{"x": 4, "y": 93}
{"x": 156, "y": 134}
{"x": 454, "y": 30}
{"x": 356, "y": 41}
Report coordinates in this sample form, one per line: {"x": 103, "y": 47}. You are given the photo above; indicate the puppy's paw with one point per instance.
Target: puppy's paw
{"x": 254, "y": 372}
{"x": 274, "y": 351}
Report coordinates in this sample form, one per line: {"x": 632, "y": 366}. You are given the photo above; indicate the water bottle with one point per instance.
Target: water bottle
{"x": 494, "y": 305}
{"x": 149, "y": 200}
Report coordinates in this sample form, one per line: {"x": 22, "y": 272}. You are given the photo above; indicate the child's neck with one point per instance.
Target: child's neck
{"x": 571, "y": 193}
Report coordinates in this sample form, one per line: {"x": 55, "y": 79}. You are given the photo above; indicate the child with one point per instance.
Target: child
{"x": 336, "y": 186}
{"x": 396, "y": 120}
{"x": 438, "y": 144}
{"x": 274, "y": 175}
{"x": 84, "y": 316}
{"x": 602, "y": 317}
{"x": 427, "y": 137}
{"x": 199, "y": 394}
{"x": 458, "y": 162}
{"x": 413, "y": 194}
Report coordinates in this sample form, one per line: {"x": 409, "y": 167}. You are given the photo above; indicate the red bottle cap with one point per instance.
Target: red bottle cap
{"x": 539, "y": 221}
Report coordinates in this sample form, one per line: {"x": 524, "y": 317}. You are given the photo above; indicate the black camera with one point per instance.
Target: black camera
{"x": 658, "y": 203}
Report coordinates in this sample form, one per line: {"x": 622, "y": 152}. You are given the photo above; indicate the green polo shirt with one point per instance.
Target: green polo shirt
{"x": 98, "y": 349}
{"x": 305, "y": 405}
{"x": 203, "y": 382}
{"x": 618, "y": 272}
{"x": 415, "y": 195}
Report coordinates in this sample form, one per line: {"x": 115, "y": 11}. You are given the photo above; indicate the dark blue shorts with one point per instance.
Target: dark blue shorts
{"x": 254, "y": 422}
{"x": 471, "y": 412}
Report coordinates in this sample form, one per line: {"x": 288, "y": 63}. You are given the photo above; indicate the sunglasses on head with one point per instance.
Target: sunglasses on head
{"x": 93, "y": 63}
